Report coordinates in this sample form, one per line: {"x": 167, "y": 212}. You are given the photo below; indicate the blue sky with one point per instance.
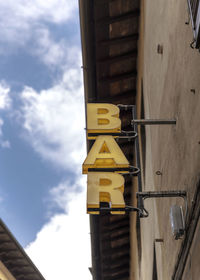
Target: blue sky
{"x": 42, "y": 139}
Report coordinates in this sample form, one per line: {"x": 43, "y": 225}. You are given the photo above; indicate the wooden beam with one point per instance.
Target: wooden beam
{"x": 116, "y": 78}
{"x": 117, "y": 236}
{"x": 117, "y": 260}
{"x": 120, "y": 263}
{"x": 118, "y": 226}
{"x": 118, "y": 18}
{"x": 7, "y": 251}
{"x": 5, "y": 242}
{"x": 116, "y": 99}
{"x": 8, "y": 257}
{"x": 121, "y": 249}
{"x": 120, "y": 276}
{"x": 118, "y": 270}
{"x": 117, "y": 219}
{"x": 119, "y": 40}
{"x": 109, "y": 232}
{"x": 110, "y": 59}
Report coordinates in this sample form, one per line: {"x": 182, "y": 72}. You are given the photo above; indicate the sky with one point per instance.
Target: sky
{"x": 42, "y": 137}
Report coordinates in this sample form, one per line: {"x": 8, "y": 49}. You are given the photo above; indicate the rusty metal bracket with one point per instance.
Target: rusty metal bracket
{"x": 160, "y": 194}
{"x": 146, "y": 121}
{"x": 131, "y": 170}
{"x": 121, "y": 135}
{"x": 153, "y": 122}
{"x": 126, "y": 209}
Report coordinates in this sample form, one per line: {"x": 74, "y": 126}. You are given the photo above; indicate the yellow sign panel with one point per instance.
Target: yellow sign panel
{"x": 105, "y": 187}
{"x": 105, "y": 153}
{"x": 102, "y": 118}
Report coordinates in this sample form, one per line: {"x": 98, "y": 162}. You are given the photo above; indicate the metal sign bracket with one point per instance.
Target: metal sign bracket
{"x": 160, "y": 194}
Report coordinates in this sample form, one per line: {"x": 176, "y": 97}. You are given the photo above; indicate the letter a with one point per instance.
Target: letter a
{"x": 105, "y": 153}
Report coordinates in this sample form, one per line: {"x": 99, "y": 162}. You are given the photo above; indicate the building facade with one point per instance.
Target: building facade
{"x": 14, "y": 262}
{"x": 146, "y": 53}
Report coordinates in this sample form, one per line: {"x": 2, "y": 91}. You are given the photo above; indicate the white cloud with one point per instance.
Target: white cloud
{"x": 62, "y": 194}
{"x": 54, "y": 120}
{"x": 3, "y": 143}
{"x": 51, "y": 53}
{"x": 62, "y": 247}
{"x": 5, "y": 100}
{"x": 23, "y": 14}
{"x": 59, "y": 54}
{"x": 26, "y": 23}
{"x": 5, "y": 104}
{"x": 56, "y": 11}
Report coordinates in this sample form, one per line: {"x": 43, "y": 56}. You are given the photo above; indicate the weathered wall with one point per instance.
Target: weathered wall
{"x": 171, "y": 86}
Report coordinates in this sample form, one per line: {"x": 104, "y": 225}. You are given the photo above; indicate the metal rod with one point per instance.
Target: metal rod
{"x": 126, "y": 107}
{"x": 123, "y": 134}
{"x": 145, "y": 195}
{"x": 152, "y": 122}
{"x": 131, "y": 170}
{"x": 118, "y": 209}
{"x": 140, "y": 203}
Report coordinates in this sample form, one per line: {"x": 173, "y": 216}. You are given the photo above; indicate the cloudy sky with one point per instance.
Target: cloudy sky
{"x": 42, "y": 138}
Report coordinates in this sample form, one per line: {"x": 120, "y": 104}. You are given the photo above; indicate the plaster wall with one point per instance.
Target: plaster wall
{"x": 171, "y": 89}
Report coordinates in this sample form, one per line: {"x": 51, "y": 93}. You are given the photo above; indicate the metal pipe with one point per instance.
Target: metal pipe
{"x": 117, "y": 209}
{"x": 191, "y": 229}
{"x": 140, "y": 203}
{"x": 152, "y": 122}
{"x": 131, "y": 170}
{"x": 126, "y": 107}
{"x": 145, "y": 195}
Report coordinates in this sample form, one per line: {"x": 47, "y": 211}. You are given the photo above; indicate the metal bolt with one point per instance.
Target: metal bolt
{"x": 160, "y": 49}
{"x": 158, "y": 172}
{"x": 159, "y": 240}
